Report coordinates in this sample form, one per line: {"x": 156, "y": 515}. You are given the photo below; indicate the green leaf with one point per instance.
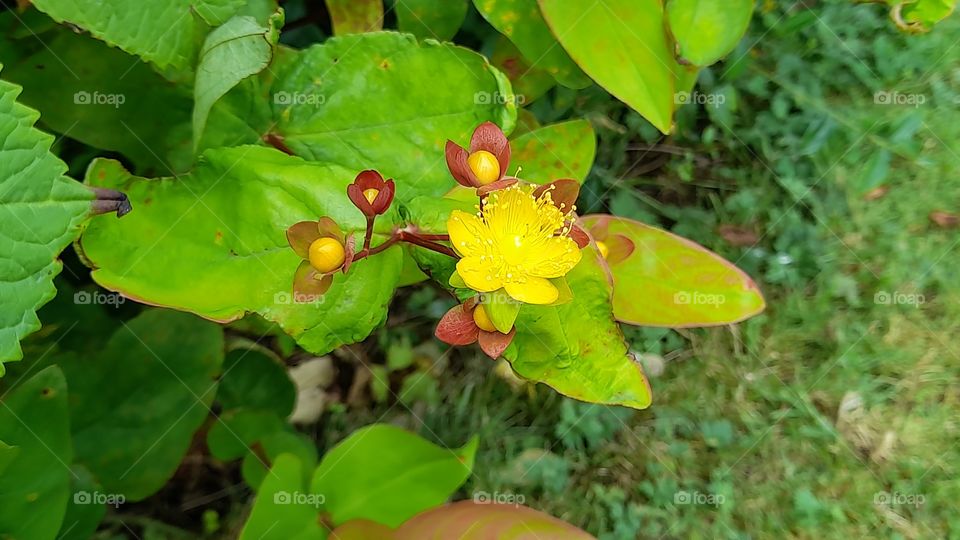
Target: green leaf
{"x": 84, "y": 514}
{"x": 355, "y": 16}
{"x": 522, "y": 23}
{"x": 920, "y": 15}
{"x": 40, "y": 214}
{"x": 282, "y": 510}
{"x": 7, "y": 455}
{"x": 430, "y": 18}
{"x": 551, "y": 345}
{"x": 388, "y": 475}
{"x": 35, "y": 486}
{"x": 673, "y": 282}
{"x": 386, "y": 102}
{"x": 163, "y": 32}
{"x": 226, "y": 254}
{"x": 564, "y": 150}
{"x": 529, "y": 83}
{"x": 134, "y": 114}
{"x": 706, "y": 31}
{"x": 238, "y": 49}
{"x": 468, "y": 520}
{"x": 621, "y": 44}
{"x": 501, "y": 309}
{"x": 253, "y": 379}
{"x": 163, "y": 362}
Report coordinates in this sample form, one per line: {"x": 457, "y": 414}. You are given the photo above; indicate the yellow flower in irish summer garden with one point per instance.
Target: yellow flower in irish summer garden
{"x": 518, "y": 241}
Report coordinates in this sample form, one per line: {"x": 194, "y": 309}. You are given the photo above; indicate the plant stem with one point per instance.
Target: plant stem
{"x": 400, "y": 235}
{"x": 369, "y": 233}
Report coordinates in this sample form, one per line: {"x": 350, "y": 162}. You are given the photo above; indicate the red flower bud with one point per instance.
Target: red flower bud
{"x": 487, "y": 160}
{"x": 370, "y": 193}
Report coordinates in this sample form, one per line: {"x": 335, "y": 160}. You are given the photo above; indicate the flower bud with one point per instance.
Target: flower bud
{"x": 482, "y": 319}
{"x": 485, "y": 166}
{"x": 326, "y": 254}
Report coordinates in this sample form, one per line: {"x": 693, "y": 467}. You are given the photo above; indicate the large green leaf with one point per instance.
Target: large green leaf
{"x": 240, "y": 48}
{"x": 90, "y": 101}
{"x": 564, "y": 150}
{"x": 468, "y": 520}
{"x": 35, "y": 486}
{"x": 84, "y": 513}
{"x": 522, "y": 23}
{"x": 136, "y": 404}
{"x": 382, "y": 100}
{"x": 576, "y": 347}
{"x": 671, "y": 281}
{"x": 385, "y": 474}
{"x": 529, "y": 83}
{"x": 705, "y": 30}
{"x": 213, "y": 243}
{"x": 163, "y": 32}
{"x": 282, "y": 509}
{"x": 251, "y": 378}
{"x": 40, "y": 214}
{"x": 622, "y": 45}
{"x": 434, "y": 19}
{"x": 355, "y": 16}
{"x": 7, "y": 455}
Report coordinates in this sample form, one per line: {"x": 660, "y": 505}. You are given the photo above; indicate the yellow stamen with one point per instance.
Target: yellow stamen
{"x": 326, "y": 255}
{"x": 485, "y": 166}
{"x": 482, "y": 319}
{"x": 370, "y": 194}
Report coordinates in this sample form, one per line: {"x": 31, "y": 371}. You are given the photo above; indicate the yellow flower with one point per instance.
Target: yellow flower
{"x": 513, "y": 243}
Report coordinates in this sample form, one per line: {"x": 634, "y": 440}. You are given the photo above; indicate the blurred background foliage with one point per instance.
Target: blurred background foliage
{"x": 819, "y": 418}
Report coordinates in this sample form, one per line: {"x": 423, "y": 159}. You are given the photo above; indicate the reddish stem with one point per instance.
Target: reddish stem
{"x": 369, "y": 234}
{"x": 401, "y": 235}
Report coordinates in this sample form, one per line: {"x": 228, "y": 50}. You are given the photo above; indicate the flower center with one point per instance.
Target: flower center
{"x": 604, "y": 249}
{"x": 370, "y": 194}
{"x": 326, "y": 255}
{"x": 482, "y": 319}
{"x": 485, "y": 166}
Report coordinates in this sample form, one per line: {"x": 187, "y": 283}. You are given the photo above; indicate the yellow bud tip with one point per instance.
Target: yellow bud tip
{"x": 370, "y": 194}
{"x": 485, "y": 166}
{"x": 482, "y": 319}
{"x": 604, "y": 250}
{"x": 326, "y": 255}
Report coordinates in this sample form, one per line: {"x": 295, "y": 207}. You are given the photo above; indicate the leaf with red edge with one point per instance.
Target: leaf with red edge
{"x": 457, "y": 327}
{"x": 619, "y": 247}
{"x": 494, "y": 343}
{"x": 468, "y": 520}
{"x": 673, "y": 282}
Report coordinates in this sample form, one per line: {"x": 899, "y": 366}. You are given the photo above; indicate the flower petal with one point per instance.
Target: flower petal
{"x": 355, "y": 193}
{"x": 369, "y": 179}
{"x": 329, "y": 229}
{"x": 300, "y": 235}
{"x": 456, "y": 327}
{"x": 308, "y": 284}
{"x": 457, "y": 163}
{"x": 384, "y": 197}
{"x": 488, "y": 136}
{"x": 553, "y": 258}
{"x": 478, "y": 275}
{"x": 494, "y": 343}
{"x": 467, "y": 233}
{"x": 580, "y": 236}
{"x": 533, "y": 291}
{"x": 495, "y": 186}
